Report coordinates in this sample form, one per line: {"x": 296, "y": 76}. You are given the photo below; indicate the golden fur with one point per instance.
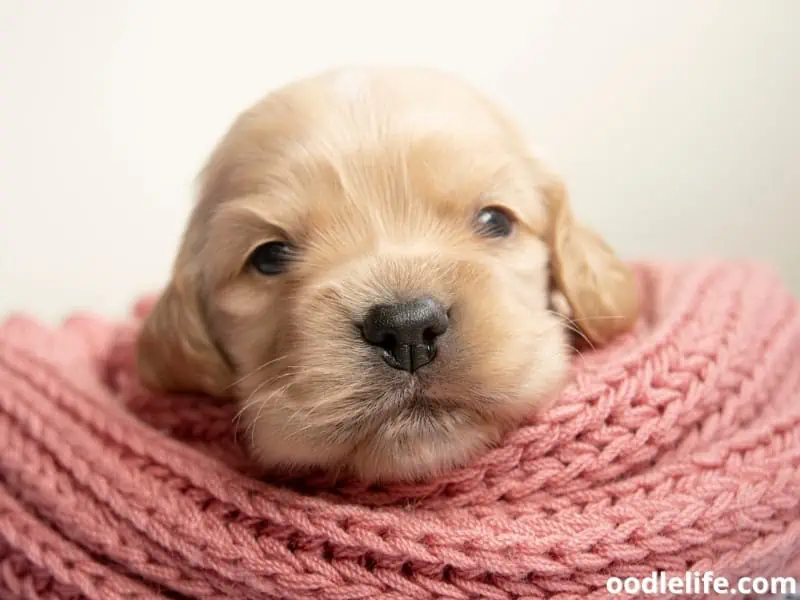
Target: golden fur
{"x": 374, "y": 175}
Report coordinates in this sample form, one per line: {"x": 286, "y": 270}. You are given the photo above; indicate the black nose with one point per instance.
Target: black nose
{"x": 406, "y": 332}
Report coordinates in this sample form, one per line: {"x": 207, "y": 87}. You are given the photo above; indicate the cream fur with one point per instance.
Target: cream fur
{"x": 374, "y": 175}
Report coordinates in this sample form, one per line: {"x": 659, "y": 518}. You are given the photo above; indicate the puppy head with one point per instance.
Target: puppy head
{"x": 371, "y": 270}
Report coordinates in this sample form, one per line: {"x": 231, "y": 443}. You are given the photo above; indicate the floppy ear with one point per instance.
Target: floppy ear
{"x": 599, "y": 287}
{"x": 175, "y": 351}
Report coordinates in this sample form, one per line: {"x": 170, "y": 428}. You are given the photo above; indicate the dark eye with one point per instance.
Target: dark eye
{"x": 271, "y": 258}
{"x": 494, "y": 222}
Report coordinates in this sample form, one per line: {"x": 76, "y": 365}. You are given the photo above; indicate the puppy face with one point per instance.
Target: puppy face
{"x": 371, "y": 270}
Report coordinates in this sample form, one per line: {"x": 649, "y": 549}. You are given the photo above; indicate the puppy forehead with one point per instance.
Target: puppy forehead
{"x": 400, "y": 185}
{"x": 377, "y": 139}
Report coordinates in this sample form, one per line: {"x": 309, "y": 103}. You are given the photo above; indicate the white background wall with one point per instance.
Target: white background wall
{"x": 676, "y": 122}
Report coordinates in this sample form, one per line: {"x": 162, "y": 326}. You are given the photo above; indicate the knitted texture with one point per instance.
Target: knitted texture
{"x": 676, "y": 449}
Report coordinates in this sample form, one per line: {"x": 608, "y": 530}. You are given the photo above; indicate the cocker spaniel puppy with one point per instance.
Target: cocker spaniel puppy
{"x": 379, "y": 271}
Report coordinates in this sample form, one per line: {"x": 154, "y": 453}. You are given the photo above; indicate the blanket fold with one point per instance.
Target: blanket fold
{"x": 676, "y": 449}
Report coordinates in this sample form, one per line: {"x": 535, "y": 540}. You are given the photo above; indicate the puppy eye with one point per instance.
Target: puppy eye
{"x": 271, "y": 258}
{"x": 494, "y": 222}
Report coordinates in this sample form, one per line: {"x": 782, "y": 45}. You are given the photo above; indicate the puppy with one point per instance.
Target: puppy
{"x": 372, "y": 269}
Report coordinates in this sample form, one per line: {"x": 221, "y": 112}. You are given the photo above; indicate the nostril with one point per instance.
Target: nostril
{"x": 379, "y": 338}
{"x": 430, "y": 334}
{"x": 388, "y": 341}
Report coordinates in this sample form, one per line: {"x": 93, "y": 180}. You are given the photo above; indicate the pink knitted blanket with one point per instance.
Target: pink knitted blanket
{"x": 677, "y": 449}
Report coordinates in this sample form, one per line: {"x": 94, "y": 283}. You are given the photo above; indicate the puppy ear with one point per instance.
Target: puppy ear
{"x": 599, "y": 287}
{"x": 175, "y": 351}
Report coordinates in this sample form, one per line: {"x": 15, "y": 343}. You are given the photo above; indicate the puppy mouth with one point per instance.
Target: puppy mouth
{"x": 414, "y": 397}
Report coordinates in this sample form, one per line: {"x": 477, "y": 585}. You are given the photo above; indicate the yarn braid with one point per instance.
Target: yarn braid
{"x": 675, "y": 449}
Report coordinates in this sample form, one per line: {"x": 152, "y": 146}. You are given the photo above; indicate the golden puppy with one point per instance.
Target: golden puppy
{"x": 371, "y": 269}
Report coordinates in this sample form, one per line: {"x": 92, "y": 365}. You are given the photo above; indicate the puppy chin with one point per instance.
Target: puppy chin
{"x": 417, "y": 443}
{"x": 417, "y": 451}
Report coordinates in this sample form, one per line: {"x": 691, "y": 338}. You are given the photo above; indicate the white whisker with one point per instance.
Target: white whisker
{"x": 254, "y": 371}
{"x": 251, "y": 427}
{"x": 572, "y": 325}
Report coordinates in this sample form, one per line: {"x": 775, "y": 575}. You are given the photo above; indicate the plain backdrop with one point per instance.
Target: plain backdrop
{"x": 675, "y": 123}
